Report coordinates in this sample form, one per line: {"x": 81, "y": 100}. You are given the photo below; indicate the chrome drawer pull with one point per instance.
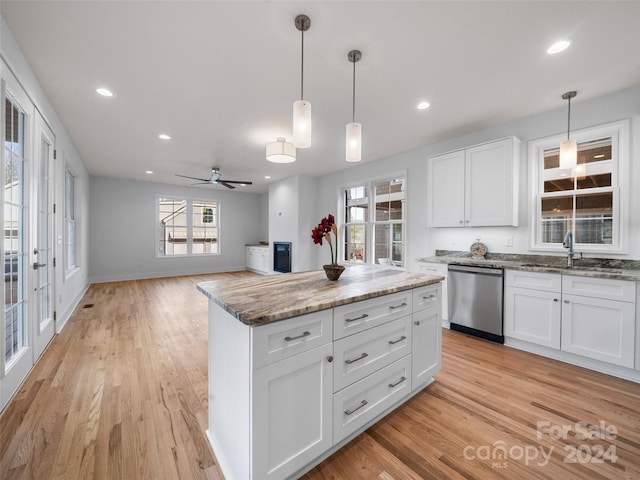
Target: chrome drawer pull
{"x": 403, "y": 304}
{"x": 364, "y": 355}
{"x": 362, "y": 404}
{"x": 364, "y": 315}
{"x": 402, "y": 379}
{"x": 304, "y": 334}
{"x": 393, "y": 342}
{"x": 433, "y": 295}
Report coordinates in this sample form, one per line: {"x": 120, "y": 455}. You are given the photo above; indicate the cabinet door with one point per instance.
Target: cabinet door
{"x": 599, "y": 329}
{"x": 292, "y": 420}
{"x": 532, "y": 316}
{"x": 491, "y": 193}
{"x": 446, "y": 190}
{"x": 426, "y": 347}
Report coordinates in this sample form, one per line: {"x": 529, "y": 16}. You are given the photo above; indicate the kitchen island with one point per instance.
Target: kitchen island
{"x": 299, "y": 365}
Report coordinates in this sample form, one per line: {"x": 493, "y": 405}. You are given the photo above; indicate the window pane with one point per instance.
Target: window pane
{"x": 588, "y": 152}
{"x": 173, "y": 226}
{"x": 594, "y": 219}
{"x": 382, "y": 244}
{"x": 355, "y": 240}
{"x": 204, "y": 227}
{"x": 556, "y": 218}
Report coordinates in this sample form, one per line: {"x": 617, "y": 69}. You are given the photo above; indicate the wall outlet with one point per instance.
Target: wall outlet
{"x": 453, "y": 240}
{"x": 508, "y": 242}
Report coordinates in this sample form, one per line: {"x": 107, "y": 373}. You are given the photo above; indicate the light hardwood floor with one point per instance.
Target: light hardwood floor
{"x": 121, "y": 393}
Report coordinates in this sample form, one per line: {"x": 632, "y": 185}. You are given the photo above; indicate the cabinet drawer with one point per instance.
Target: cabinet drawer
{"x": 426, "y": 297}
{"x": 611, "y": 289}
{"x": 550, "y": 282}
{"x": 360, "y": 355}
{"x": 359, "y": 316}
{"x": 434, "y": 269}
{"x": 359, "y": 403}
{"x": 279, "y": 340}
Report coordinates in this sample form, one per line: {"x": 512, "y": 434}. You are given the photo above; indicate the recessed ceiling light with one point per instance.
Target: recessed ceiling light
{"x": 599, "y": 156}
{"x": 243, "y": 184}
{"x": 558, "y": 46}
{"x": 164, "y": 136}
{"x": 149, "y": 172}
{"x": 423, "y": 105}
{"x": 105, "y": 92}
{"x": 267, "y": 177}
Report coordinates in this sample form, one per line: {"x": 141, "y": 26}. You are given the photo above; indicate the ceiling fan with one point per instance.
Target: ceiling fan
{"x": 215, "y": 178}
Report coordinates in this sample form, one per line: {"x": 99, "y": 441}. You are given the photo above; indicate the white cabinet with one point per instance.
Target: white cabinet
{"x": 587, "y": 316}
{"x": 594, "y": 325}
{"x": 441, "y": 269}
{"x": 426, "y": 349}
{"x": 292, "y": 413}
{"x": 284, "y": 394}
{"x": 477, "y": 186}
{"x": 257, "y": 258}
{"x": 532, "y": 308}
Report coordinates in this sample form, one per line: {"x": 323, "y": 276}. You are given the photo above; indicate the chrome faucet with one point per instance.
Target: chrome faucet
{"x": 568, "y": 243}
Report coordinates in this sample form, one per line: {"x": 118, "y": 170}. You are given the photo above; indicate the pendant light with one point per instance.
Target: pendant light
{"x": 302, "y": 108}
{"x": 569, "y": 147}
{"x": 281, "y": 151}
{"x": 353, "y": 150}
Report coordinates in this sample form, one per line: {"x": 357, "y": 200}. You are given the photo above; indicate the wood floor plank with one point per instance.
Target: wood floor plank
{"x": 121, "y": 393}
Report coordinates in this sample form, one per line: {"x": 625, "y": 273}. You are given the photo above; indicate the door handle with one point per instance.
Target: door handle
{"x": 37, "y": 265}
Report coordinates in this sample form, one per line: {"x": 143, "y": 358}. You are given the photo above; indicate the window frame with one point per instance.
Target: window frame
{"x": 619, "y": 133}
{"x": 70, "y": 204}
{"x": 370, "y": 223}
{"x": 190, "y": 201}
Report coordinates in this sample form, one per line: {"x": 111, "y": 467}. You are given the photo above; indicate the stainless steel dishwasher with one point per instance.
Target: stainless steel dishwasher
{"x": 475, "y": 301}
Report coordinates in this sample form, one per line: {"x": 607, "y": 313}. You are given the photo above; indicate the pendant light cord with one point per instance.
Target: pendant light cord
{"x": 302, "y": 69}
{"x": 569, "y": 119}
{"x": 354, "y": 93}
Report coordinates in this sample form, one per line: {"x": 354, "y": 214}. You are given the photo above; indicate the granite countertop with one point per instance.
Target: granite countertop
{"x": 588, "y": 267}
{"x": 265, "y": 299}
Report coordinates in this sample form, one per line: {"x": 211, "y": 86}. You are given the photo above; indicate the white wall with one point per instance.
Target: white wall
{"x": 123, "y": 230}
{"x": 423, "y": 241}
{"x": 68, "y": 290}
{"x": 292, "y": 216}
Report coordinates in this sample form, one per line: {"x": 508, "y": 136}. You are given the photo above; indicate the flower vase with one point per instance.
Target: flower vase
{"x": 333, "y": 272}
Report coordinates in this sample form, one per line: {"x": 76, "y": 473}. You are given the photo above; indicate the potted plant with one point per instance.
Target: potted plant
{"x": 323, "y": 231}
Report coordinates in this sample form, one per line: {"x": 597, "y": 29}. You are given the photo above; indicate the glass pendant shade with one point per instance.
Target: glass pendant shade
{"x": 568, "y": 153}
{"x": 354, "y": 142}
{"x": 302, "y": 124}
{"x": 281, "y": 151}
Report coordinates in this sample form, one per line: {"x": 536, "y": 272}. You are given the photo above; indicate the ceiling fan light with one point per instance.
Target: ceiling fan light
{"x": 302, "y": 124}
{"x": 353, "y": 152}
{"x": 568, "y": 153}
{"x": 281, "y": 151}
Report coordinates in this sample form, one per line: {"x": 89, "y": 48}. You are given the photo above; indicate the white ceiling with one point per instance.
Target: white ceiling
{"x": 221, "y": 77}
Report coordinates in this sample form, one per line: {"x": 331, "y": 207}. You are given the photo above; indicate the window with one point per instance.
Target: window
{"x": 587, "y": 199}
{"x": 70, "y": 221}
{"x": 187, "y": 227}
{"x": 373, "y": 227}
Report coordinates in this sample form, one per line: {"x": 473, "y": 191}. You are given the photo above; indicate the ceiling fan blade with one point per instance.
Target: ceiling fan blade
{"x": 225, "y": 183}
{"x": 237, "y": 181}
{"x": 202, "y": 183}
{"x": 193, "y": 178}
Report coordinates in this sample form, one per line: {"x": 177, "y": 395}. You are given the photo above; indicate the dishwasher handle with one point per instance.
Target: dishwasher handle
{"x": 498, "y": 272}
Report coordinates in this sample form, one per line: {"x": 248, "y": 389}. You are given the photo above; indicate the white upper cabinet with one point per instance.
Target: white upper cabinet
{"x": 475, "y": 187}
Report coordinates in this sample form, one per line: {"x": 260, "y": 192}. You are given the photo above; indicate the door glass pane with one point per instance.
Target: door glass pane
{"x": 43, "y": 247}
{"x": 15, "y": 337}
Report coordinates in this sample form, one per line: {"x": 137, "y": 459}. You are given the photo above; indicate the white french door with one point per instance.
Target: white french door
{"x": 17, "y": 351}
{"x": 42, "y": 236}
{"x": 28, "y": 156}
